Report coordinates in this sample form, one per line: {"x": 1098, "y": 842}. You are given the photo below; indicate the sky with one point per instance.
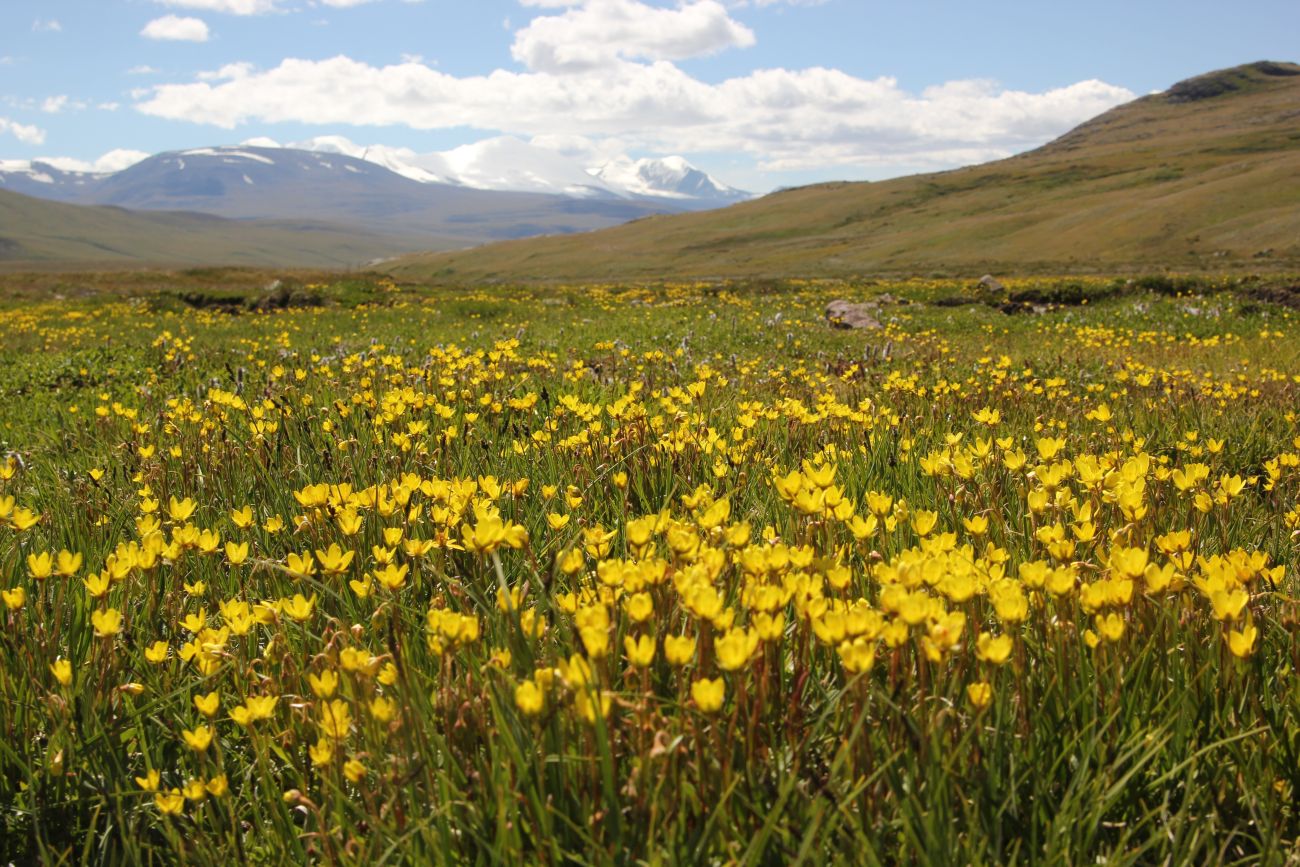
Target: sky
{"x": 759, "y": 93}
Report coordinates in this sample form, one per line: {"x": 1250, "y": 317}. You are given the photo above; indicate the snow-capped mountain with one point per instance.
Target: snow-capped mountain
{"x": 325, "y": 186}
{"x": 45, "y": 181}
{"x": 510, "y": 164}
{"x": 503, "y": 163}
{"x": 667, "y": 177}
{"x": 497, "y": 188}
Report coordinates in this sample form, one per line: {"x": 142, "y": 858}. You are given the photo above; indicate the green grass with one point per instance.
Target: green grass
{"x": 1158, "y": 747}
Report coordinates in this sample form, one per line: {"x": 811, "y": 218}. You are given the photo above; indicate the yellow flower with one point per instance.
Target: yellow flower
{"x": 198, "y": 739}
{"x": 1228, "y": 605}
{"x": 299, "y": 607}
{"x": 640, "y": 651}
{"x": 356, "y": 659}
{"x": 709, "y": 694}
{"x": 589, "y": 705}
{"x": 335, "y": 719}
{"x": 253, "y": 709}
{"x": 40, "y": 566}
{"x": 107, "y": 622}
{"x": 15, "y": 598}
{"x": 980, "y": 694}
{"x": 857, "y": 656}
{"x": 169, "y": 803}
{"x": 383, "y": 709}
{"x": 180, "y": 510}
{"x": 156, "y": 652}
{"x": 62, "y": 671}
{"x": 354, "y": 771}
{"x": 679, "y": 649}
{"x": 67, "y": 563}
{"x": 735, "y": 648}
{"x": 994, "y": 649}
{"x": 324, "y": 684}
{"x": 218, "y": 786}
{"x": 1242, "y": 641}
{"x": 529, "y": 698}
{"x": 208, "y": 704}
{"x": 333, "y": 560}
{"x": 392, "y": 576}
{"x": 149, "y": 782}
{"x": 639, "y": 607}
{"x": 321, "y": 752}
{"x": 923, "y": 522}
{"x": 1110, "y": 626}
{"x": 195, "y": 790}
{"x": 236, "y": 552}
{"x": 24, "y": 519}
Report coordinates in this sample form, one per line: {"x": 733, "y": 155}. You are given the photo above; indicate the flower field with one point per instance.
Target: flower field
{"x": 660, "y": 574}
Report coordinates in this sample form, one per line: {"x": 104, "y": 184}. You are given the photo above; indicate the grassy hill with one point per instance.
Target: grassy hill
{"x": 1205, "y": 175}
{"x": 36, "y": 233}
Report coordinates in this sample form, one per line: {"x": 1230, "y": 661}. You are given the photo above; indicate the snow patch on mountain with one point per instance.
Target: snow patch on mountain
{"x": 667, "y": 177}
{"x": 228, "y": 153}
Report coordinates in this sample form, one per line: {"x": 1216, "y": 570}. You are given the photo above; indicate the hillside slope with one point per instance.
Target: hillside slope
{"x": 1203, "y": 175}
{"x": 35, "y": 231}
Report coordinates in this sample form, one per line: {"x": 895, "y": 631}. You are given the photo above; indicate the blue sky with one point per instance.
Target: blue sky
{"x": 761, "y": 93}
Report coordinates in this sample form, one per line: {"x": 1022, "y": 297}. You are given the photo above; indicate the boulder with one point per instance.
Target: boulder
{"x": 846, "y": 314}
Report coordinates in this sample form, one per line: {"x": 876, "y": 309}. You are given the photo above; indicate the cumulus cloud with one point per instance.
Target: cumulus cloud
{"x": 785, "y": 119}
{"x": 174, "y": 28}
{"x": 232, "y": 7}
{"x": 23, "y": 132}
{"x": 598, "y": 33}
{"x": 229, "y": 72}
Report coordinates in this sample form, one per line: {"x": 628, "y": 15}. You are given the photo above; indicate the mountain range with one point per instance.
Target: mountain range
{"x": 1202, "y": 176}
{"x": 390, "y": 200}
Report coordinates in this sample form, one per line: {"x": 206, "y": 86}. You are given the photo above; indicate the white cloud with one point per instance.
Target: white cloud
{"x": 24, "y": 133}
{"x": 143, "y": 69}
{"x": 232, "y": 7}
{"x": 113, "y": 161}
{"x": 61, "y": 103}
{"x": 784, "y": 119}
{"x": 345, "y": 4}
{"x": 229, "y": 72}
{"x": 598, "y": 33}
{"x": 51, "y": 25}
{"x": 174, "y": 28}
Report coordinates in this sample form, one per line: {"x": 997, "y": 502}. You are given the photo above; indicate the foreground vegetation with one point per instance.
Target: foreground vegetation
{"x": 667, "y": 573}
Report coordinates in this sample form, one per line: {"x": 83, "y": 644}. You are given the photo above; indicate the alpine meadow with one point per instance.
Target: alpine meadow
{"x": 367, "y": 507}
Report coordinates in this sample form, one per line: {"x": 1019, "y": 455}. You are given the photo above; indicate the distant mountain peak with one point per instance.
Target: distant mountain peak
{"x": 668, "y": 177}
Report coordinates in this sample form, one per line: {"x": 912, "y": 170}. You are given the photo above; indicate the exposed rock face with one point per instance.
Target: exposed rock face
{"x": 846, "y": 314}
{"x": 989, "y": 283}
